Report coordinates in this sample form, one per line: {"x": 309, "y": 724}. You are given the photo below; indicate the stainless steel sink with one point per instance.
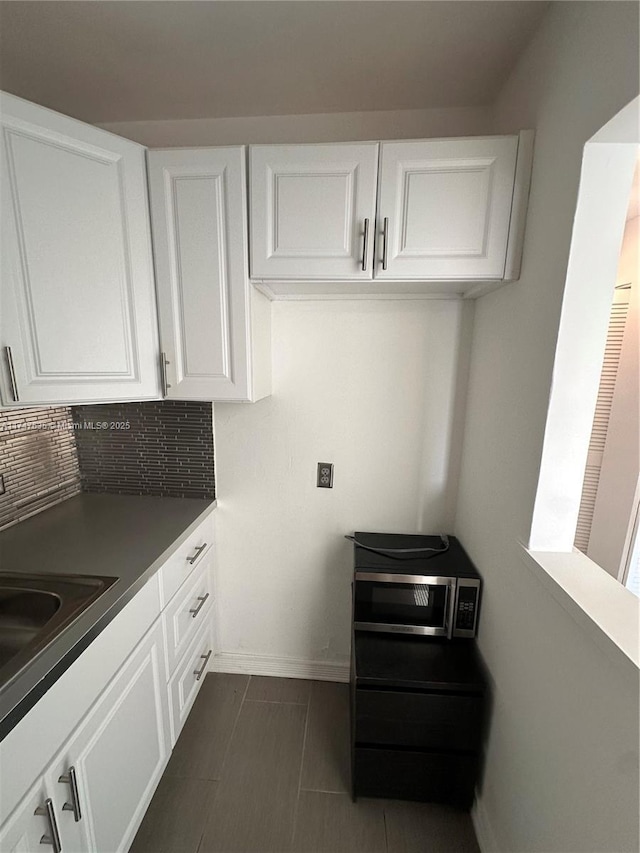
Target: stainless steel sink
{"x": 35, "y": 609}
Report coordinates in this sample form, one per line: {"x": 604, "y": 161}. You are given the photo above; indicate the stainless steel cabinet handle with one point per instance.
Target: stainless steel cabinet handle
{"x": 365, "y": 248}
{"x": 450, "y": 608}
{"x": 54, "y": 838}
{"x": 163, "y": 373}
{"x": 196, "y": 610}
{"x": 195, "y": 556}
{"x": 200, "y": 672}
{"x": 12, "y": 374}
{"x": 385, "y": 234}
{"x": 70, "y": 779}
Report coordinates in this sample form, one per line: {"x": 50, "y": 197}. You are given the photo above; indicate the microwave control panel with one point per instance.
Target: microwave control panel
{"x": 466, "y": 610}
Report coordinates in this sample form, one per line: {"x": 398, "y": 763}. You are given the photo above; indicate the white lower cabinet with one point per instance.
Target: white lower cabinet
{"x": 185, "y": 559}
{"x": 187, "y": 622}
{"x": 91, "y": 752}
{"x": 120, "y": 751}
{"x": 95, "y": 792}
{"x": 187, "y": 679}
{"x": 25, "y": 830}
{"x": 189, "y": 609}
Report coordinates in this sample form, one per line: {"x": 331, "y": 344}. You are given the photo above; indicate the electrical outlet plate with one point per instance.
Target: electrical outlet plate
{"x": 325, "y": 475}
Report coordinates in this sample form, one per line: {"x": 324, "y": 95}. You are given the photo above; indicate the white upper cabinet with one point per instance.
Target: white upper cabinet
{"x": 77, "y": 302}
{"x": 444, "y": 207}
{"x": 214, "y": 327}
{"x": 449, "y": 216}
{"x": 313, "y": 211}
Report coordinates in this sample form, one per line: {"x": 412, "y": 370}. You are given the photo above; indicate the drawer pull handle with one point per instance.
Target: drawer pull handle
{"x": 54, "y": 838}
{"x": 12, "y": 374}
{"x": 163, "y": 373}
{"x": 385, "y": 236}
{"x": 71, "y": 779}
{"x": 201, "y": 598}
{"x": 365, "y": 247}
{"x": 200, "y": 672}
{"x": 191, "y": 560}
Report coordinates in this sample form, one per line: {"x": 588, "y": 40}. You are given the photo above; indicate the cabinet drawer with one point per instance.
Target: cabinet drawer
{"x": 185, "y": 559}
{"x": 427, "y": 720}
{"x": 424, "y": 776}
{"x": 188, "y": 610}
{"x": 184, "y": 684}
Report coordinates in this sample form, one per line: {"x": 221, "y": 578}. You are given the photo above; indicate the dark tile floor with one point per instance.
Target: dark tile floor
{"x": 262, "y": 766}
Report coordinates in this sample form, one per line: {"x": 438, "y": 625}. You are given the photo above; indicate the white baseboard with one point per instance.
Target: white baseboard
{"x": 282, "y": 667}
{"x": 482, "y": 825}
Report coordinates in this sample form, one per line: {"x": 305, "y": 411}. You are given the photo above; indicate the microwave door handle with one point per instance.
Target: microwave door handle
{"x": 450, "y": 607}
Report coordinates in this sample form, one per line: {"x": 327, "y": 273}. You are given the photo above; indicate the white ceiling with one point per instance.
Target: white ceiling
{"x": 121, "y": 61}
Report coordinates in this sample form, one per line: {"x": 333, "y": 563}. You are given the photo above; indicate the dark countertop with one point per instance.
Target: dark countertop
{"x": 121, "y": 536}
{"x": 415, "y": 663}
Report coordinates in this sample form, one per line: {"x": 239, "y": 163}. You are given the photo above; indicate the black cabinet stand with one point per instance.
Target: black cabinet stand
{"x": 417, "y": 716}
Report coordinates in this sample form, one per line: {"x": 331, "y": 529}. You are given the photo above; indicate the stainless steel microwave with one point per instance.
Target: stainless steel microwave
{"x": 411, "y": 584}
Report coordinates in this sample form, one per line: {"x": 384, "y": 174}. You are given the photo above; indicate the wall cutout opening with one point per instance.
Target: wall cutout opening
{"x": 608, "y": 166}
{"x": 596, "y": 598}
{"x": 607, "y": 521}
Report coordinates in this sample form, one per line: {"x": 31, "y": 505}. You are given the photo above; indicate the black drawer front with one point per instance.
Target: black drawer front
{"x": 429, "y": 721}
{"x": 423, "y": 776}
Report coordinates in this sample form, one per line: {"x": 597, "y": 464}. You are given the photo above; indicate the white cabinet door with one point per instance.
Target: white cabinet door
{"x": 77, "y": 302}
{"x": 121, "y": 749}
{"x": 199, "y": 219}
{"x": 444, "y": 207}
{"x": 313, "y": 210}
{"x": 24, "y": 830}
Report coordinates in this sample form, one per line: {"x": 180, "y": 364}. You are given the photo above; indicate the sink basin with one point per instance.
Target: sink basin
{"x": 35, "y": 609}
{"x": 23, "y": 614}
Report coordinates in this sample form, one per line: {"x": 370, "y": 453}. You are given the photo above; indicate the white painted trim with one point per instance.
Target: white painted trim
{"x": 483, "y": 829}
{"x": 633, "y": 531}
{"x": 473, "y": 291}
{"x": 519, "y": 205}
{"x": 267, "y": 291}
{"x": 609, "y": 613}
{"x": 280, "y": 667}
{"x": 484, "y": 287}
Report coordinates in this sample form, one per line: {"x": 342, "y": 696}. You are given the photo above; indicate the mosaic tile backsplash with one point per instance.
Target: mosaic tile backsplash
{"x": 163, "y": 448}
{"x": 38, "y": 461}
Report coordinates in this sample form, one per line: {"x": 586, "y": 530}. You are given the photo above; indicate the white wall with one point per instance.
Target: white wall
{"x": 320, "y": 127}
{"x": 562, "y": 762}
{"x": 377, "y": 388}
